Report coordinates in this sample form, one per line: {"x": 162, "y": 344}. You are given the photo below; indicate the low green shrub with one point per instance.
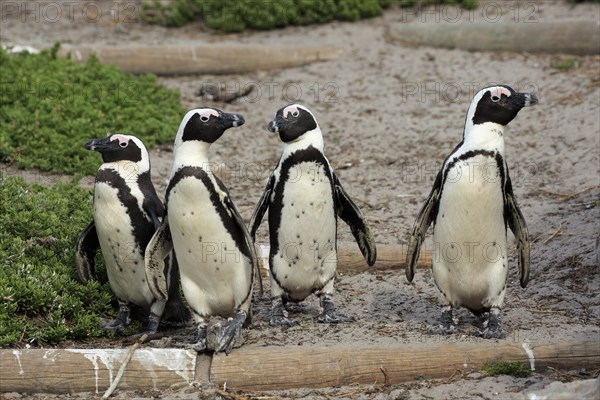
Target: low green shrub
{"x": 40, "y": 300}
{"x": 517, "y": 369}
{"x": 237, "y": 15}
{"x": 50, "y": 105}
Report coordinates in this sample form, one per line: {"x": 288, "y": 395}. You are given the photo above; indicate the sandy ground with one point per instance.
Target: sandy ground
{"x": 390, "y": 114}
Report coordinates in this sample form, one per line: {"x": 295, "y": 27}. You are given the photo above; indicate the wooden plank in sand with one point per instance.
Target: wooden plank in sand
{"x": 570, "y": 36}
{"x": 206, "y": 59}
{"x": 274, "y": 368}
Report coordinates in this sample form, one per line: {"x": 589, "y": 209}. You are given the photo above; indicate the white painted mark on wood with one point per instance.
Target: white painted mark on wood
{"x": 529, "y": 352}
{"x": 174, "y": 360}
{"x": 107, "y": 357}
{"x": 17, "y": 354}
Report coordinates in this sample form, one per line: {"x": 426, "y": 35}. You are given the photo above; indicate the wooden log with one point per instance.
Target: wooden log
{"x": 206, "y": 59}
{"x": 93, "y": 370}
{"x": 351, "y": 260}
{"x": 272, "y": 368}
{"x": 276, "y": 368}
{"x": 570, "y": 36}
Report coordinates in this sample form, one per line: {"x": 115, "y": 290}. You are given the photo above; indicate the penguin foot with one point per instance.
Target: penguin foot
{"x": 446, "y": 325}
{"x": 279, "y": 315}
{"x": 334, "y": 318}
{"x": 200, "y": 344}
{"x": 231, "y": 334}
{"x": 492, "y": 328}
{"x": 282, "y": 320}
{"x": 442, "y": 329}
{"x": 112, "y": 325}
{"x": 329, "y": 315}
{"x": 153, "y": 322}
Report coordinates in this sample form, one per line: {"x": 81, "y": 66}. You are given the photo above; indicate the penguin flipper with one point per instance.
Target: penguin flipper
{"x": 247, "y": 238}
{"x": 261, "y": 208}
{"x": 427, "y": 215}
{"x": 517, "y": 224}
{"x": 351, "y": 215}
{"x": 158, "y": 249}
{"x": 87, "y": 247}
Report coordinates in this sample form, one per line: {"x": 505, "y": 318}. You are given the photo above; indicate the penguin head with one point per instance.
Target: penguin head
{"x": 293, "y": 121}
{"x": 206, "y": 125}
{"x": 118, "y": 147}
{"x": 498, "y": 104}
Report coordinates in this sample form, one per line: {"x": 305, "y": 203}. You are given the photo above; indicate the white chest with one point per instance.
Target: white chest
{"x": 306, "y": 257}
{"x": 215, "y": 274}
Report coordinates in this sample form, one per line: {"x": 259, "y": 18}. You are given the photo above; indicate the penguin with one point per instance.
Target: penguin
{"x": 216, "y": 255}
{"x": 471, "y": 205}
{"x": 127, "y": 212}
{"x": 304, "y": 198}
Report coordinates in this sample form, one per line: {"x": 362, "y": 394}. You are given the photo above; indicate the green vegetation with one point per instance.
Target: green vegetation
{"x": 517, "y": 369}
{"x": 49, "y": 106}
{"x": 40, "y": 301}
{"x": 237, "y": 15}
{"x": 565, "y": 64}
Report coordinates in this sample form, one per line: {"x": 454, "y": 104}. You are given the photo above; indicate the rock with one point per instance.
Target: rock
{"x": 581, "y": 390}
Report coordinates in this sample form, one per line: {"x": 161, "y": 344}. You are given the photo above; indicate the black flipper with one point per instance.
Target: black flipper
{"x": 351, "y": 215}
{"x": 249, "y": 241}
{"x": 518, "y": 226}
{"x": 157, "y": 250}
{"x": 427, "y": 215}
{"x": 261, "y": 208}
{"x": 87, "y": 247}
{"x": 175, "y": 309}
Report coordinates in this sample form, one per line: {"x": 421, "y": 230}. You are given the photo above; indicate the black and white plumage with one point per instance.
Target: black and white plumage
{"x": 304, "y": 198}
{"x": 127, "y": 212}
{"x": 471, "y": 205}
{"x": 215, "y": 252}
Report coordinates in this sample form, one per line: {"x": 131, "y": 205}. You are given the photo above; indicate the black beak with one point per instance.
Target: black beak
{"x": 276, "y": 125}
{"x": 524, "y": 99}
{"x": 234, "y": 120}
{"x": 99, "y": 144}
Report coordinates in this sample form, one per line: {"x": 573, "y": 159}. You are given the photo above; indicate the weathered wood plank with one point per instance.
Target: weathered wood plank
{"x": 206, "y": 59}
{"x": 272, "y": 368}
{"x": 93, "y": 370}
{"x": 277, "y": 368}
{"x": 580, "y": 37}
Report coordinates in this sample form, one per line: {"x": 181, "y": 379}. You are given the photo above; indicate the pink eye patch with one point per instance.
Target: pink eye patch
{"x": 206, "y": 113}
{"x": 498, "y": 91}
{"x": 123, "y": 140}
{"x": 291, "y": 109}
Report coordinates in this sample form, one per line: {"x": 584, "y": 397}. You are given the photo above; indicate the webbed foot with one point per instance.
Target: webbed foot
{"x": 200, "y": 344}
{"x": 121, "y": 322}
{"x": 446, "y": 325}
{"x": 492, "y": 327}
{"x": 279, "y": 315}
{"x": 231, "y": 333}
{"x": 329, "y": 315}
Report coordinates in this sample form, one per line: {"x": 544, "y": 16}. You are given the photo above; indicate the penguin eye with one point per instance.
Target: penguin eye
{"x": 495, "y": 99}
{"x": 123, "y": 144}
{"x": 204, "y": 118}
{"x": 295, "y": 113}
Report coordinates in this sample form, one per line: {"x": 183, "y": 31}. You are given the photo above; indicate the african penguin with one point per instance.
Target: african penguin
{"x": 304, "y": 198}
{"x": 471, "y": 205}
{"x": 127, "y": 212}
{"x": 214, "y": 249}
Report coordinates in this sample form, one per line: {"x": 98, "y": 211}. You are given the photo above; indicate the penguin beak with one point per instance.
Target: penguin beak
{"x": 275, "y": 125}
{"x": 233, "y": 120}
{"x": 99, "y": 144}
{"x": 521, "y": 100}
